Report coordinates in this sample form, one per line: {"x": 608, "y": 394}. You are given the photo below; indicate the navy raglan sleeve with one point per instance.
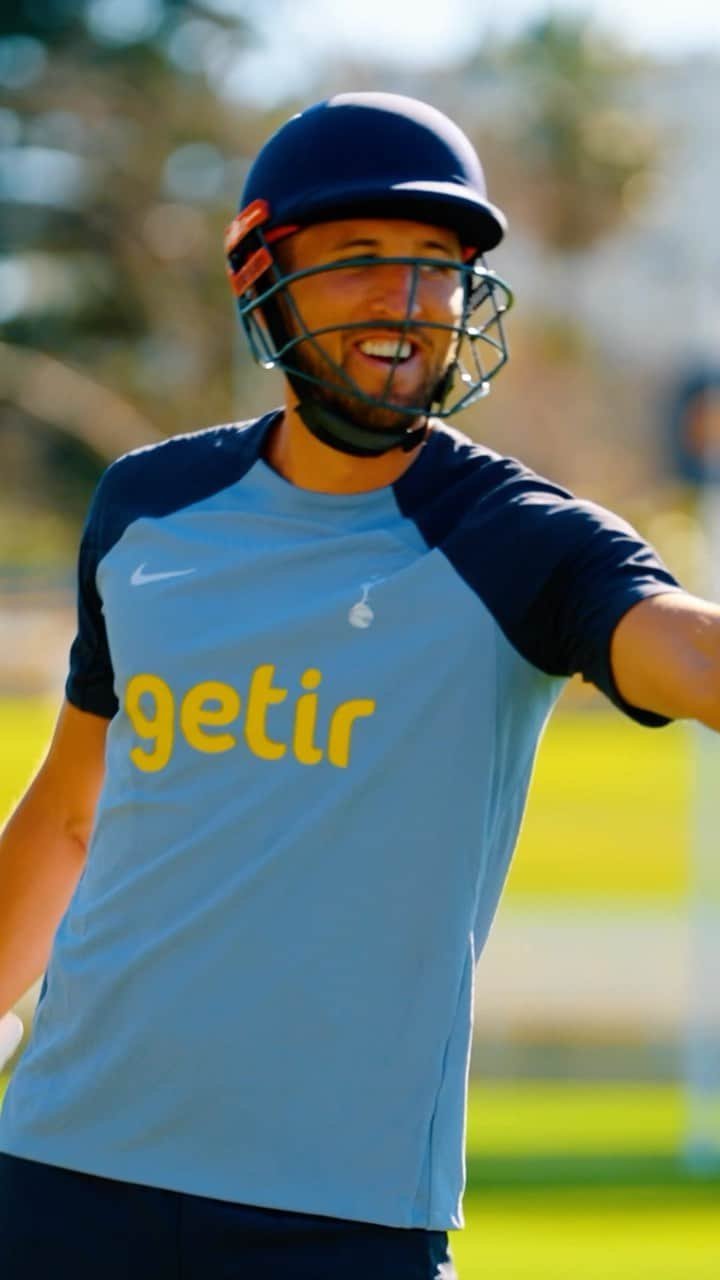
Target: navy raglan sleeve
{"x": 152, "y": 482}
{"x": 589, "y": 567}
{"x": 89, "y": 684}
{"x": 556, "y": 572}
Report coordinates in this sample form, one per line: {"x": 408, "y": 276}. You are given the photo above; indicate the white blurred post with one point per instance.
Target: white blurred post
{"x": 702, "y": 1147}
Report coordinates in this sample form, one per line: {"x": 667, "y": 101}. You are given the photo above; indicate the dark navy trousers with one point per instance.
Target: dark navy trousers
{"x": 55, "y": 1223}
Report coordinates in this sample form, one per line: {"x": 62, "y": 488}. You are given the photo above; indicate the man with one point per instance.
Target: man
{"x": 316, "y": 652}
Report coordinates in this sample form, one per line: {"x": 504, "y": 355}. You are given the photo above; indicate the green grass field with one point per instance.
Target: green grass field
{"x": 25, "y": 728}
{"x": 565, "y": 1181}
{"x": 571, "y": 1180}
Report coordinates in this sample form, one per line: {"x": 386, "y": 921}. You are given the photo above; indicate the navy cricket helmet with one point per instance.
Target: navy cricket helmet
{"x": 368, "y": 155}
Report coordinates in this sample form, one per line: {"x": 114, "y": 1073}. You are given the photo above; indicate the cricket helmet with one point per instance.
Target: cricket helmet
{"x": 361, "y": 155}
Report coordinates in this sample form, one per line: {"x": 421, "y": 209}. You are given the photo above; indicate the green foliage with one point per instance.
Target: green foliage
{"x": 37, "y": 533}
{"x": 579, "y": 144}
{"x": 55, "y": 22}
{"x": 116, "y": 240}
{"x": 58, "y": 23}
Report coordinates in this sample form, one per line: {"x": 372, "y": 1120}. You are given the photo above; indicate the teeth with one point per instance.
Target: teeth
{"x": 387, "y": 350}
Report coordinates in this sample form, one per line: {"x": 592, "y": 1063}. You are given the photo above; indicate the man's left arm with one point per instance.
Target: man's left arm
{"x": 665, "y": 657}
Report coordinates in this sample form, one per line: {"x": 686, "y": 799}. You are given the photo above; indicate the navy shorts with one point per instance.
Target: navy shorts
{"x": 73, "y": 1226}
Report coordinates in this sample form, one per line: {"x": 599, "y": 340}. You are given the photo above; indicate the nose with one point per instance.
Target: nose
{"x": 394, "y": 291}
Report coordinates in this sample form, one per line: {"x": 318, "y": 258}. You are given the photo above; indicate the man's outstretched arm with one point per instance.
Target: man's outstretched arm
{"x": 665, "y": 657}
{"x": 43, "y": 846}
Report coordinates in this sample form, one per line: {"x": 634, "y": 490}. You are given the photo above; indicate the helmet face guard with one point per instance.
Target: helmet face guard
{"x": 277, "y": 332}
{"x": 369, "y": 155}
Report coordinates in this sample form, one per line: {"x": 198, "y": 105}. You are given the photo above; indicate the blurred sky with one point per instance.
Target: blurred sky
{"x": 423, "y": 33}
{"x": 427, "y": 29}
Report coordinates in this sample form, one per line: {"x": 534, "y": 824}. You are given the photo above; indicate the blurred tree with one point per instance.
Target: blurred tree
{"x": 119, "y": 165}
{"x": 571, "y": 155}
{"x": 580, "y": 149}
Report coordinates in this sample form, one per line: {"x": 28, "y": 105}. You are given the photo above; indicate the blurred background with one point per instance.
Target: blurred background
{"x": 126, "y": 129}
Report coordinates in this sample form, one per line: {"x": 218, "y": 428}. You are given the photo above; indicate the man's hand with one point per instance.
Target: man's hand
{"x": 665, "y": 657}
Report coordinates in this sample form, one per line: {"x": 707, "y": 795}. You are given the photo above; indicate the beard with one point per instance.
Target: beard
{"x": 340, "y": 399}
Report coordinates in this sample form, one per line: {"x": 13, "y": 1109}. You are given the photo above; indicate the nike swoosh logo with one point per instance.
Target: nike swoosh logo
{"x": 140, "y": 578}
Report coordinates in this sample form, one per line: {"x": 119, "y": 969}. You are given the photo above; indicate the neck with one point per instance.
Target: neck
{"x": 297, "y": 455}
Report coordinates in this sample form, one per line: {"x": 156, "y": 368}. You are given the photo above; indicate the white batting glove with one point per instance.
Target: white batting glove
{"x": 11, "y": 1033}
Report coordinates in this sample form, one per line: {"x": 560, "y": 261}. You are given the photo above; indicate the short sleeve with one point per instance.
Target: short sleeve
{"x": 149, "y": 482}
{"x": 592, "y": 567}
{"x": 556, "y": 572}
{"x": 89, "y": 685}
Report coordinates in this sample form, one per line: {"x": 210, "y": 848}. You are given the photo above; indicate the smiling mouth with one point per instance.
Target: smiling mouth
{"x": 387, "y": 351}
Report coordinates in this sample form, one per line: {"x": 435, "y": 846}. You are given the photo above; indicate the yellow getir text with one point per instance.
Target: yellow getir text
{"x": 209, "y": 716}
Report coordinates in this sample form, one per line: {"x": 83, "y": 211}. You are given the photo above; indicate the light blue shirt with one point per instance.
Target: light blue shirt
{"x": 325, "y": 710}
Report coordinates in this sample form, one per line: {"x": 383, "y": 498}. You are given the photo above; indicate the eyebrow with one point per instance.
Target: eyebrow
{"x": 370, "y": 242}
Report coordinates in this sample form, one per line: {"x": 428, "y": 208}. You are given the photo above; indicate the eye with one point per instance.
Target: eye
{"x": 439, "y": 269}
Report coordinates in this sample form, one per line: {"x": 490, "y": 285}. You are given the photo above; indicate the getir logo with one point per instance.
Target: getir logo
{"x": 207, "y": 711}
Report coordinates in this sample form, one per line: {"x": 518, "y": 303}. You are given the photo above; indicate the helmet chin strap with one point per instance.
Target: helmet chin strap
{"x": 351, "y": 437}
